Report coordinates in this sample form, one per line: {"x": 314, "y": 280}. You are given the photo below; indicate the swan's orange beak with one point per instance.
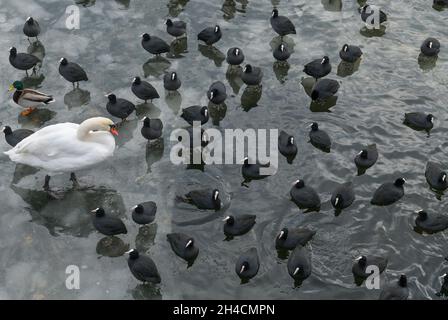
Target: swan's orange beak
{"x": 114, "y": 131}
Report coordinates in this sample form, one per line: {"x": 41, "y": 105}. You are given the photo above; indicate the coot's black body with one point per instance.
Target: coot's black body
{"x": 367, "y": 157}
{"x": 247, "y": 265}
{"x": 343, "y": 196}
{"x": 107, "y": 225}
{"x": 119, "y": 107}
{"x": 210, "y": 35}
{"x": 431, "y": 222}
{"x": 143, "y": 267}
{"x": 299, "y": 263}
{"x": 350, "y": 53}
{"x": 281, "y": 24}
{"x": 71, "y": 71}
{"x": 238, "y": 225}
{"x": 152, "y": 128}
{"x": 14, "y": 137}
{"x": 144, "y": 213}
{"x": 360, "y": 265}
{"x": 143, "y": 90}
{"x": 154, "y": 45}
{"x": 436, "y": 176}
{"x": 288, "y": 239}
{"x": 195, "y": 113}
{"x": 304, "y": 196}
{"x": 318, "y": 68}
{"x": 388, "y": 193}
{"x": 183, "y": 246}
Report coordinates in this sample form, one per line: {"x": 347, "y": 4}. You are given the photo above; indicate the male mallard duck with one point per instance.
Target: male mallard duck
{"x": 28, "y": 98}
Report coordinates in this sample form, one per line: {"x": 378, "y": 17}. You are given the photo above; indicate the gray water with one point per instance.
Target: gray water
{"x": 40, "y": 237}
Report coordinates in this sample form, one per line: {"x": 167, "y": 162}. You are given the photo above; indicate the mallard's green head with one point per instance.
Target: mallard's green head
{"x": 16, "y": 85}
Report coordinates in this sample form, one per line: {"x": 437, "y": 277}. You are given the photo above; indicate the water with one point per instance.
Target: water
{"x": 39, "y": 237}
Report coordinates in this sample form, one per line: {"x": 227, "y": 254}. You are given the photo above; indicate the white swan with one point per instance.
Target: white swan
{"x": 67, "y": 147}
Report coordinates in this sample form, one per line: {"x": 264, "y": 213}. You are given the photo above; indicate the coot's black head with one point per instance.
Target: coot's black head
{"x": 338, "y": 200}
{"x": 290, "y": 140}
{"x": 399, "y": 182}
{"x": 246, "y": 161}
{"x": 275, "y": 13}
{"x": 13, "y": 51}
{"x": 364, "y": 9}
{"x": 133, "y": 254}
{"x": 236, "y": 51}
{"x": 7, "y": 130}
{"x": 345, "y": 47}
{"x": 169, "y": 23}
{"x": 139, "y": 209}
{"x": 99, "y": 212}
{"x": 213, "y": 93}
{"x": 137, "y": 80}
{"x": 173, "y": 76}
{"x": 63, "y": 61}
{"x": 325, "y": 60}
{"x": 445, "y": 278}
{"x": 282, "y": 47}
{"x": 362, "y": 261}
{"x": 204, "y": 111}
{"x": 146, "y": 37}
{"x": 422, "y": 215}
{"x": 430, "y": 118}
{"x": 363, "y": 154}
{"x": 314, "y": 95}
{"x": 30, "y": 20}
{"x": 403, "y": 281}
{"x": 314, "y": 126}
{"x": 216, "y": 200}
{"x": 190, "y": 243}
{"x": 442, "y": 177}
{"x": 230, "y": 220}
{"x": 299, "y": 184}
{"x": 248, "y": 68}
{"x": 112, "y": 98}
{"x": 244, "y": 266}
{"x": 283, "y": 234}
{"x": 217, "y": 29}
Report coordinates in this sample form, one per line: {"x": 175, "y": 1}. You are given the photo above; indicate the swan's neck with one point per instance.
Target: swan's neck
{"x": 85, "y": 130}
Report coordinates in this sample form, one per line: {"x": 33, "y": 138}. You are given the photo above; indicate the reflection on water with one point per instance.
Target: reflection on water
{"x": 146, "y": 291}
{"x": 281, "y": 69}
{"x": 37, "y": 118}
{"x": 212, "y": 53}
{"x": 178, "y": 47}
{"x": 32, "y": 81}
{"x": 217, "y": 112}
{"x": 373, "y": 32}
{"x": 233, "y": 76}
{"x": 154, "y": 152}
{"x": 346, "y": 69}
{"x": 175, "y": 7}
{"x": 174, "y": 100}
{"x": 427, "y": 63}
{"x": 145, "y": 237}
{"x": 111, "y": 247}
{"x": 71, "y": 214}
{"x": 76, "y": 98}
{"x": 156, "y": 66}
{"x": 250, "y": 97}
{"x": 37, "y": 49}
{"x": 332, "y": 5}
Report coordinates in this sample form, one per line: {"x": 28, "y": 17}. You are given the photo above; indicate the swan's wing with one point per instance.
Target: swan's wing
{"x": 48, "y": 142}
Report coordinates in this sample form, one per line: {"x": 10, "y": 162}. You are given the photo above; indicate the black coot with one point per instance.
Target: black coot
{"x": 281, "y": 24}
{"x": 319, "y": 138}
{"x": 281, "y": 53}
{"x": 118, "y": 107}
{"x": 431, "y": 222}
{"x": 288, "y": 239}
{"x": 238, "y": 225}
{"x": 419, "y": 120}
{"x": 22, "y": 61}
{"x": 350, "y": 53}
{"x": 436, "y": 176}
{"x": 154, "y": 45}
{"x": 299, "y": 263}
{"x": 388, "y": 193}
{"x": 143, "y": 267}
{"x": 303, "y": 196}
{"x": 247, "y": 265}
{"x": 204, "y": 199}
{"x": 176, "y": 28}
{"x": 430, "y": 47}
{"x": 195, "y": 113}
{"x": 14, "y": 137}
{"x": 171, "y": 81}
{"x": 144, "y": 213}
{"x": 368, "y": 10}
{"x": 152, "y": 128}
{"x": 287, "y": 145}
{"x": 324, "y": 88}
{"x": 210, "y": 35}
{"x": 397, "y": 290}
{"x": 217, "y": 92}
{"x": 31, "y": 28}
{"x": 183, "y": 246}
{"x": 343, "y": 196}
{"x": 235, "y": 56}
{"x": 71, "y": 71}
{"x": 251, "y": 76}
{"x": 251, "y": 171}
{"x": 318, "y": 68}
{"x": 367, "y": 157}
{"x": 360, "y": 265}
{"x": 107, "y": 225}
{"x": 144, "y": 90}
